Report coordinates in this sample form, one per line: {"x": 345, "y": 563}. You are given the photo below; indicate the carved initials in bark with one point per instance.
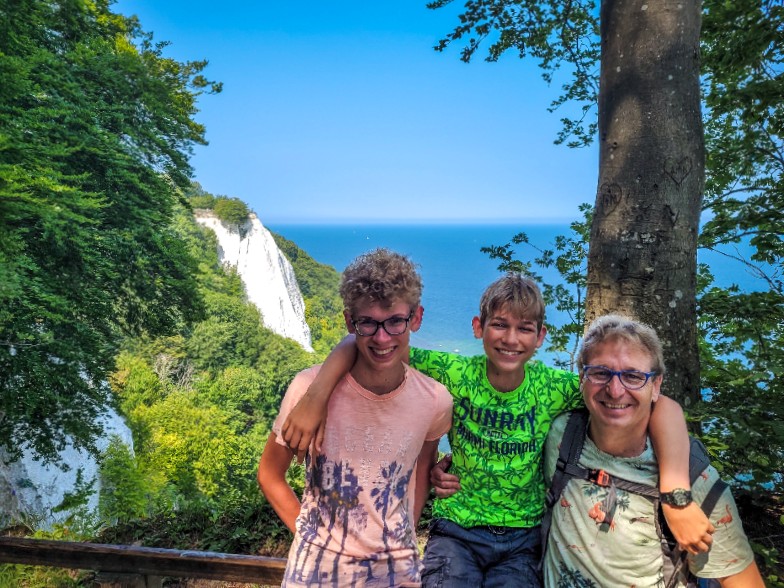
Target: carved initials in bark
{"x": 678, "y": 170}
{"x": 609, "y": 197}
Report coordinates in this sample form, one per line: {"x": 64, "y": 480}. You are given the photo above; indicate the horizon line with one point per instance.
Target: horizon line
{"x": 409, "y": 221}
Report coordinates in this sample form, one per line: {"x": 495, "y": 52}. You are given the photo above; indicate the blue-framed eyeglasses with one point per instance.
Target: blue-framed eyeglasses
{"x": 394, "y": 325}
{"x": 629, "y": 379}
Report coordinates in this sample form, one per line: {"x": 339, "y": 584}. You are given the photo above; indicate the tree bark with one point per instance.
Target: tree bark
{"x": 643, "y": 250}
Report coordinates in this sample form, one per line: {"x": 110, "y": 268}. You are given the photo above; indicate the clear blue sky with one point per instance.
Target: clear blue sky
{"x": 342, "y": 111}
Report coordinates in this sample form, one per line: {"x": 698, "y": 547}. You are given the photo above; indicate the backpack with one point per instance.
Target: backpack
{"x": 568, "y": 468}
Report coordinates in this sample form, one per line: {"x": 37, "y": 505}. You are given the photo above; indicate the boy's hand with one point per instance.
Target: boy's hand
{"x": 304, "y": 424}
{"x": 444, "y": 484}
{"x": 690, "y": 527}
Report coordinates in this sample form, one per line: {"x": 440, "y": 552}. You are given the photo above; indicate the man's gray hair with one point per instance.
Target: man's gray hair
{"x": 613, "y": 327}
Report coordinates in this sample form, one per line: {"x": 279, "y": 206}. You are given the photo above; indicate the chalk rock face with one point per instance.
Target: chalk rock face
{"x": 30, "y": 489}
{"x": 267, "y": 274}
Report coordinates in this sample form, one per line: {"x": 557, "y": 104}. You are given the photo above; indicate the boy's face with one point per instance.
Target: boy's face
{"x": 381, "y": 351}
{"x": 509, "y": 340}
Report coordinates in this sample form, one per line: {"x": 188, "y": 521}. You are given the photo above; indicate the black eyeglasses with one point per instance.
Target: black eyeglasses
{"x": 629, "y": 379}
{"x": 394, "y": 325}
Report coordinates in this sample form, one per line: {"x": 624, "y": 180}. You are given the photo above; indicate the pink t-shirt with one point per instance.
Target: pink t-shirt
{"x": 355, "y": 526}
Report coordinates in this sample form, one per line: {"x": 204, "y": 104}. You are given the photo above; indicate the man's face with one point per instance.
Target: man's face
{"x": 612, "y": 404}
{"x": 381, "y": 350}
{"x": 509, "y": 340}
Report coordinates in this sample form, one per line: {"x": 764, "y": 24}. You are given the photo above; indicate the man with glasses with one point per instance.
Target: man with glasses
{"x": 366, "y": 487}
{"x": 604, "y": 531}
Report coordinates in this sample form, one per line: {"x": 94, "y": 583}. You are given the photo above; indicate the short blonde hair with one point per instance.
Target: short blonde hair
{"x": 614, "y": 327}
{"x": 381, "y": 276}
{"x": 518, "y": 293}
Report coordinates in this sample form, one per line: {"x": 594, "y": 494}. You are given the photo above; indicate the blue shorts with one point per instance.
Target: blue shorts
{"x": 481, "y": 557}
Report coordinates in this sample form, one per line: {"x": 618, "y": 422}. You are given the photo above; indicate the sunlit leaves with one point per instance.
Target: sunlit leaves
{"x": 557, "y": 34}
{"x": 97, "y": 127}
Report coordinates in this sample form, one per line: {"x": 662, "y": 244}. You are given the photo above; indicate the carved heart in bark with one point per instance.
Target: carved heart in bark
{"x": 609, "y": 197}
{"x": 678, "y": 169}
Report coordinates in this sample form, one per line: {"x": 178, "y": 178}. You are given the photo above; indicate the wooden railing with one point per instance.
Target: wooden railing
{"x": 148, "y": 565}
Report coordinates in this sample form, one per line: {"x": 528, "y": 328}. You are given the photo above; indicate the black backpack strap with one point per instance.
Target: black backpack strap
{"x": 712, "y": 497}
{"x": 571, "y": 447}
{"x": 567, "y": 468}
{"x": 699, "y": 460}
{"x": 568, "y": 455}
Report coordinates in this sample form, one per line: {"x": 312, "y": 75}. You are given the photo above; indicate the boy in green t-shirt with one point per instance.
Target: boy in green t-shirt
{"x": 487, "y": 532}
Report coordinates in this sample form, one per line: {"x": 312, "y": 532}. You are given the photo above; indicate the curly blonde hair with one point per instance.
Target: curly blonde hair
{"x": 380, "y": 276}
{"x": 518, "y": 293}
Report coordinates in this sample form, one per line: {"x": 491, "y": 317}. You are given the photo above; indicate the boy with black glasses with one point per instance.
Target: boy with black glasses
{"x": 366, "y": 487}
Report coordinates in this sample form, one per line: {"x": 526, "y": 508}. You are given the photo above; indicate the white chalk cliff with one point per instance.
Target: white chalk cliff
{"x": 30, "y": 489}
{"x": 267, "y": 274}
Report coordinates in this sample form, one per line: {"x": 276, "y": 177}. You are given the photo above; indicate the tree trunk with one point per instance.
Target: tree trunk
{"x": 643, "y": 251}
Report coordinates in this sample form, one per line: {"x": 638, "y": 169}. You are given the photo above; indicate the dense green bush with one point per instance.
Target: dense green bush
{"x": 231, "y": 211}
{"x": 124, "y": 489}
{"x": 199, "y": 198}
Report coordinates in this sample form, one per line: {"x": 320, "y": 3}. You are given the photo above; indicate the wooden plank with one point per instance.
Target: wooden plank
{"x": 143, "y": 560}
{"x": 119, "y": 580}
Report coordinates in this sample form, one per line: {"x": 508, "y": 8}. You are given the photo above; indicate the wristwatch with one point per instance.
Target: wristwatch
{"x": 678, "y": 497}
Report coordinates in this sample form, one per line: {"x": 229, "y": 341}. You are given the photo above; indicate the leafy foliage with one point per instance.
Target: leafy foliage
{"x": 243, "y": 523}
{"x": 556, "y": 34}
{"x": 96, "y": 134}
{"x": 232, "y": 211}
{"x": 200, "y": 405}
{"x": 743, "y": 48}
{"x": 124, "y": 492}
{"x": 319, "y": 285}
{"x": 199, "y": 198}
{"x": 743, "y": 361}
{"x": 110, "y": 293}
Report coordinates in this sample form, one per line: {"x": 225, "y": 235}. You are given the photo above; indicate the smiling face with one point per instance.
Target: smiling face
{"x": 509, "y": 341}
{"x": 611, "y": 405}
{"x": 381, "y": 351}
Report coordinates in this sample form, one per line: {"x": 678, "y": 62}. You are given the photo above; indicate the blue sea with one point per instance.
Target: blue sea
{"x": 454, "y": 270}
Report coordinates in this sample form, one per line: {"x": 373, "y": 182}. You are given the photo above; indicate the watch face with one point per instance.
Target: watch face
{"x": 678, "y": 497}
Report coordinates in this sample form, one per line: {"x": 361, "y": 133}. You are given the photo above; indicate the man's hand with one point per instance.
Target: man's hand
{"x": 305, "y": 423}
{"x": 690, "y": 527}
{"x": 444, "y": 484}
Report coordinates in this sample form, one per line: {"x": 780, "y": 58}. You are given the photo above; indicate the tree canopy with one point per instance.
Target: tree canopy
{"x": 97, "y": 127}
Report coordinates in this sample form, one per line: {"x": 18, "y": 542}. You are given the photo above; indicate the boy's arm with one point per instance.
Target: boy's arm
{"x": 444, "y": 483}
{"x": 667, "y": 429}
{"x": 425, "y": 462}
{"x": 274, "y": 462}
{"x": 749, "y": 578}
{"x": 306, "y": 421}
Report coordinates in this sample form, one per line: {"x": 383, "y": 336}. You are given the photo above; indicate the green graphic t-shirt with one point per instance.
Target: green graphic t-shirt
{"x": 497, "y": 437}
